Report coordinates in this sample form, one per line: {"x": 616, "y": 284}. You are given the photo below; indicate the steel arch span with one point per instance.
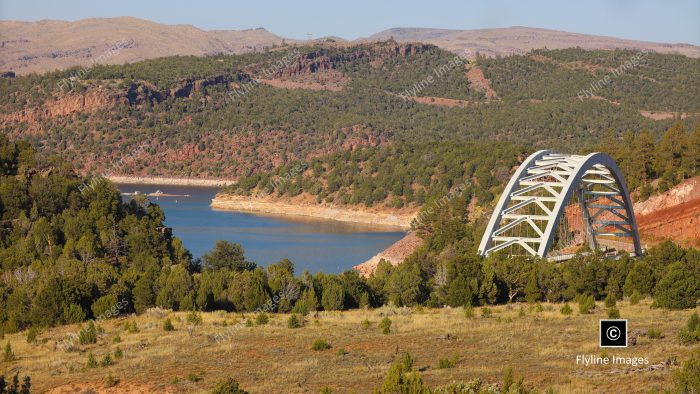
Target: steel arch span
{"x": 533, "y": 202}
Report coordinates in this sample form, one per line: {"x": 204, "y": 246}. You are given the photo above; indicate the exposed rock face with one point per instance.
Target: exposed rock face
{"x": 394, "y": 254}
{"x": 686, "y": 191}
{"x": 317, "y": 61}
{"x": 88, "y": 102}
{"x": 673, "y": 215}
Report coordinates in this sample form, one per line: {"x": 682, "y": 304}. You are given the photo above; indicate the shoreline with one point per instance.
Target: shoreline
{"x": 228, "y": 202}
{"x": 149, "y": 180}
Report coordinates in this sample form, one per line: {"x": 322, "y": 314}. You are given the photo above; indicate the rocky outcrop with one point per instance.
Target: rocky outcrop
{"x": 673, "y": 215}
{"x": 325, "y": 60}
{"x": 686, "y": 191}
{"x": 86, "y": 102}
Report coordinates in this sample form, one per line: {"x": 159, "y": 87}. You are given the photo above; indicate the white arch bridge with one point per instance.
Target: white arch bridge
{"x": 547, "y": 192}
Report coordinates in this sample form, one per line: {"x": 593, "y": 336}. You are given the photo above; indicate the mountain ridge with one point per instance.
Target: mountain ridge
{"x": 29, "y": 47}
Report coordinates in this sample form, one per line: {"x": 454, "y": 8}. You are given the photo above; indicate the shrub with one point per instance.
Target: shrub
{"x": 12, "y": 385}
{"x": 400, "y": 378}
{"x": 116, "y": 339}
{"x": 8, "y": 355}
{"x": 486, "y": 312}
{"x": 654, "y": 333}
{"x": 228, "y": 386}
{"x": 262, "y": 318}
{"x": 341, "y": 352}
{"x": 106, "y": 360}
{"x": 586, "y": 304}
{"x": 130, "y": 326}
{"x": 521, "y": 312}
{"x": 635, "y": 298}
{"x": 385, "y": 325}
{"x": 688, "y": 378}
{"x": 610, "y": 301}
{"x": 118, "y": 354}
{"x": 566, "y": 309}
{"x": 293, "y": 321}
{"x": 468, "y": 310}
{"x": 168, "y": 325}
{"x": 613, "y": 313}
{"x": 679, "y": 288}
{"x": 88, "y": 334}
{"x": 110, "y": 381}
{"x": 512, "y": 383}
{"x": 194, "y": 318}
{"x": 691, "y": 333}
{"x": 446, "y": 363}
{"x": 31, "y": 335}
{"x": 192, "y": 377}
{"x": 320, "y": 344}
{"x": 91, "y": 361}
{"x": 104, "y": 306}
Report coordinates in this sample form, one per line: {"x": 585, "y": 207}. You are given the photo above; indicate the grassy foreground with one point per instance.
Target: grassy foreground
{"x": 541, "y": 346}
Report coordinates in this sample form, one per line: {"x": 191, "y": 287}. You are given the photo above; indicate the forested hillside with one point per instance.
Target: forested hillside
{"x": 71, "y": 253}
{"x": 241, "y": 115}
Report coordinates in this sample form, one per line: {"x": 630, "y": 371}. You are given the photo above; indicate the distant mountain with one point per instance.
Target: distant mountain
{"x": 518, "y": 40}
{"x": 47, "y": 45}
{"x": 27, "y": 47}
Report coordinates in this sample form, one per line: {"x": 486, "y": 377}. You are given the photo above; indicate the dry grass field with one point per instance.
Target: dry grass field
{"x": 272, "y": 358}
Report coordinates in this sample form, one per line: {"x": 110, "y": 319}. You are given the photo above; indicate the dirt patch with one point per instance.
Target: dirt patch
{"x": 394, "y": 254}
{"x": 663, "y": 115}
{"x": 398, "y": 219}
{"x": 479, "y": 82}
{"x": 334, "y": 86}
{"x": 443, "y": 102}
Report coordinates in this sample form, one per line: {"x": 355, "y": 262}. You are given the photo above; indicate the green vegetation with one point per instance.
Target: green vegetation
{"x": 688, "y": 378}
{"x": 81, "y": 273}
{"x": 320, "y": 344}
{"x": 13, "y": 386}
{"x": 654, "y": 333}
{"x": 91, "y": 361}
{"x": 293, "y": 321}
{"x": 691, "y": 333}
{"x": 613, "y": 313}
{"x": 586, "y": 304}
{"x": 642, "y": 158}
{"x": 187, "y": 104}
{"x": 385, "y": 325}
{"x": 228, "y": 386}
{"x": 168, "y": 325}
{"x": 8, "y": 355}
{"x": 397, "y": 175}
{"x": 261, "y": 319}
{"x": 566, "y": 309}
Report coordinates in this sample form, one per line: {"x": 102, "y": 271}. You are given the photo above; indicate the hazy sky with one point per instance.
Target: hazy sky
{"x": 663, "y": 21}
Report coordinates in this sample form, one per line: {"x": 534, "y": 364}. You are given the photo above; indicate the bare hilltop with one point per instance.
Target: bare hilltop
{"x": 47, "y": 45}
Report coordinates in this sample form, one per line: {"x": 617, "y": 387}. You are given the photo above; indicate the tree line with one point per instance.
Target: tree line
{"x": 68, "y": 256}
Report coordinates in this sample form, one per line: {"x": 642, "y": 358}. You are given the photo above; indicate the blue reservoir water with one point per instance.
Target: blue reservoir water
{"x": 317, "y": 245}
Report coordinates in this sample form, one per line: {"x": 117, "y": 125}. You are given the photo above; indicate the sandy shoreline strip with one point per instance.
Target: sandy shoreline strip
{"x": 247, "y": 204}
{"x": 148, "y": 180}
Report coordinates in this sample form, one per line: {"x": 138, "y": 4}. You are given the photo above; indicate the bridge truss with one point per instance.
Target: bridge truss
{"x": 535, "y": 201}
